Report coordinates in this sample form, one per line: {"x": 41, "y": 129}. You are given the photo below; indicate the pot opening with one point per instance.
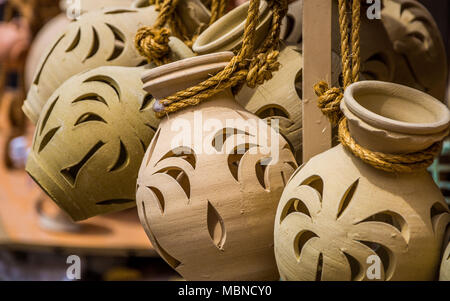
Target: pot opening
{"x": 396, "y": 107}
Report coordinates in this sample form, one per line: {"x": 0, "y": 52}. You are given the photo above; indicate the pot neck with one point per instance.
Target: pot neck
{"x": 168, "y": 79}
{"x": 227, "y": 33}
{"x": 392, "y": 118}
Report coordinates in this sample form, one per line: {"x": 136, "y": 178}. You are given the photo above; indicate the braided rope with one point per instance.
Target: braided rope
{"x": 253, "y": 66}
{"x": 329, "y": 100}
{"x": 152, "y": 42}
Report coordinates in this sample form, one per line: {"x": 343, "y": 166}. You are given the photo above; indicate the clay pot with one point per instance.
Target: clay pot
{"x": 337, "y": 211}
{"x": 420, "y": 53}
{"x": 445, "y": 265}
{"x": 89, "y": 5}
{"x": 276, "y": 99}
{"x": 97, "y": 38}
{"x": 206, "y": 196}
{"x": 45, "y": 37}
{"x": 97, "y": 125}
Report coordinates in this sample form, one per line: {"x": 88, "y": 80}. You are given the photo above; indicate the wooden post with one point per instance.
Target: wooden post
{"x": 317, "y": 16}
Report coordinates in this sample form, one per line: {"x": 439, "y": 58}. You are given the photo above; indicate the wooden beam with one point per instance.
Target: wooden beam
{"x": 317, "y": 16}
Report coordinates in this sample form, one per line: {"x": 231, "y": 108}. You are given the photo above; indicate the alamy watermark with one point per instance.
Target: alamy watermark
{"x": 374, "y": 10}
{"x": 73, "y": 271}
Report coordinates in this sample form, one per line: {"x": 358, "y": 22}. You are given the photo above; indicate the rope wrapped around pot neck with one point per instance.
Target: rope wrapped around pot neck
{"x": 250, "y": 65}
{"x": 152, "y": 42}
{"x": 330, "y": 98}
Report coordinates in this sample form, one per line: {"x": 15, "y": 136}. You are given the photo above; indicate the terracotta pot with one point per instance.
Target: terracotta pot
{"x": 420, "y": 58}
{"x": 204, "y": 195}
{"x": 337, "y": 211}
{"x": 277, "y": 99}
{"x": 45, "y": 37}
{"x": 97, "y": 38}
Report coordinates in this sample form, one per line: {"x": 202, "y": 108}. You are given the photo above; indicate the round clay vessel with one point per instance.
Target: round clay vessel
{"x": 95, "y": 127}
{"x": 206, "y": 196}
{"x": 338, "y": 216}
{"x": 420, "y": 56}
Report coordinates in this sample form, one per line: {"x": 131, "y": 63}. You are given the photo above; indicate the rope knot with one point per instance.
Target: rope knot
{"x": 261, "y": 68}
{"x": 329, "y": 101}
{"x": 153, "y": 43}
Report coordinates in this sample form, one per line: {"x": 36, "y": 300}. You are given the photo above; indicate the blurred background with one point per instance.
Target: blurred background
{"x": 36, "y": 237}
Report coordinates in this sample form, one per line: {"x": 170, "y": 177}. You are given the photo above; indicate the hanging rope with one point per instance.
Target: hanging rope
{"x": 249, "y": 65}
{"x": 329, "y": 100}
{"x": 152, "y": 42}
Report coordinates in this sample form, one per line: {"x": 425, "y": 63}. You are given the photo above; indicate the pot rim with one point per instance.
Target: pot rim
{"x": 209, "y": 41}
{"x": 429, "y": 103}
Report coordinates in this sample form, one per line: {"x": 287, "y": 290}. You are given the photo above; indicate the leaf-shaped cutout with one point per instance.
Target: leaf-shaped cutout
{"x": 300, "y": 241}
{"x": 144, "y": 147}
{"x": 392, "y": 218}
{"x": 159, "y": 198}
{"x": 123, "y": 159}
{"x": 142, "y": 63}
{"x": 260, "y": 170}
{"x": 236, "y": 156}
{"x": 119, "y": 42}
{"x": 148, "y": 98}
{"x": 299, "y": 83}
{"x": 38, "y": 74}
{"x": 95, "y": 44}
{"x": 75, "y": 41}
{"x": 385, "y": 255}
{"x": 289, "y": 25}
{"x": 47, "y": 115}
{"x": 222, "y": 135}
{"x": 272, "y": 110}
{"x": 180, "y": 176}
{"x": 91, "y": 97}
{"x": 47, "y": 138}
{"x": 115, "y": 202}
{"x": 294, "y": 205}
{"x": 315, "y": 182}
{"x": 120, "y": 11}
{"x": 346, "y": 198}
{"x": 88, "y": 117}
{"x": 379, "y": 57}
{"x": 173, "y": 262}
{"x": 105, "y": 80}
{"x": 216, "y": 227}
{"x": 357, "y": 272}
{"x": 319, "y": 269}
{"x": 71, "y": 173}
{"x": 182, "y": 152}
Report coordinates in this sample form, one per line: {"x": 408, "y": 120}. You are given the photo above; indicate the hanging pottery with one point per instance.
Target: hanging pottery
{"x": 208, "y": 185}
{"x": 291, "y": 30}
{"x": 420, "y": 53}
{"x": 338, "y": 215}
{"x": 277, "y": 99}
{"x": 97, "y": 38}
{"x": 91, "y": 138}
{"x": 46, "y": 36}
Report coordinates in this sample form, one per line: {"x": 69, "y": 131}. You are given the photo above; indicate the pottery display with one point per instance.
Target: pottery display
{"x": 210, "y": 180}
{"x": 46, "y": 36}
{"x": 337, "y": 212}
{"x": 420, "y": 56}
{"x": 97, "y": 38}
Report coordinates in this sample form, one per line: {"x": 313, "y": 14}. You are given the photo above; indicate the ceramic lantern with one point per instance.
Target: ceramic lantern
{"x": 89, "y": 5}
{"x": 420, "y": 53}
{"x": 445, "y": 265}
{"x": 208, "y": 185}
{"x": 98, "y": 38}
{"x": 277, "y": 99}
{"x": 338, "y": 215}
{"x": 91, "y": 137}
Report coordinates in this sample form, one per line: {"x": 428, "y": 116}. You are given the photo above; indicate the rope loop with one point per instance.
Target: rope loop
{"x": 153, "y": 43}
